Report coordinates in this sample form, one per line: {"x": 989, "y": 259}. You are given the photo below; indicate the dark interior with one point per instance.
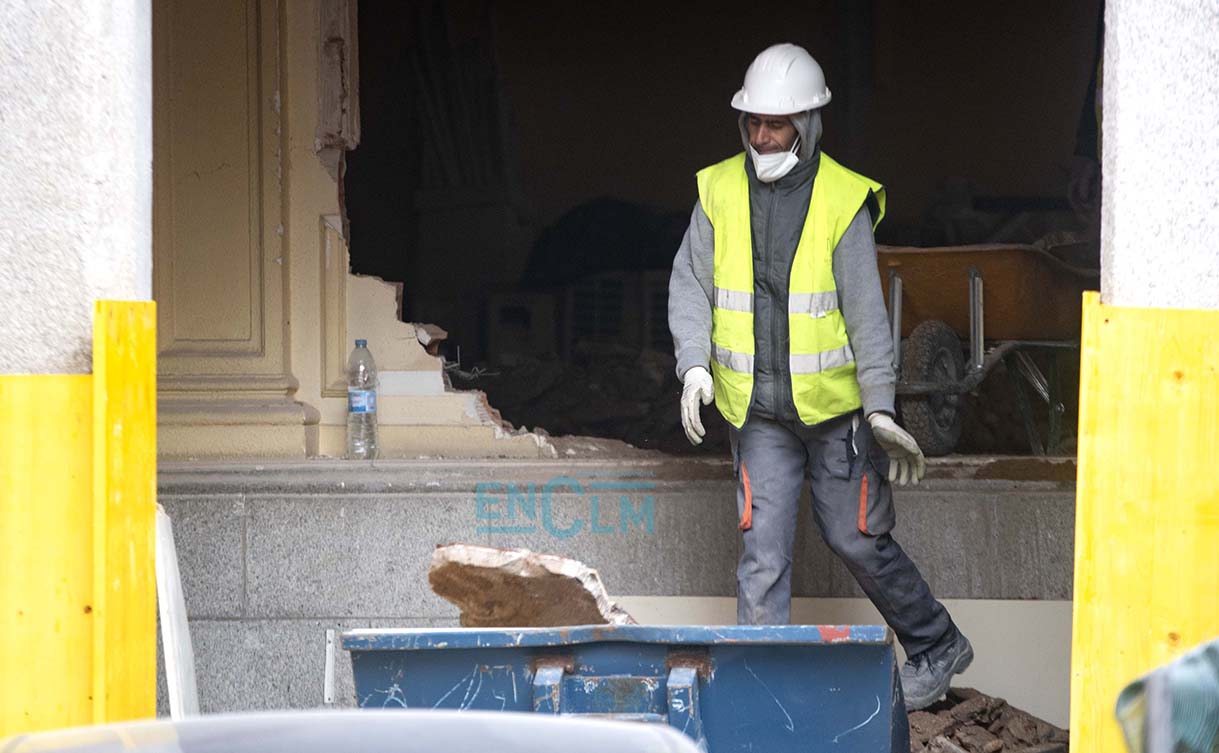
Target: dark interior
{"x": 526, "y": 171}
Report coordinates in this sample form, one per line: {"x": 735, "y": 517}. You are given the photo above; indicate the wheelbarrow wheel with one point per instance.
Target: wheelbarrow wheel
{"x": 933, "y": 353}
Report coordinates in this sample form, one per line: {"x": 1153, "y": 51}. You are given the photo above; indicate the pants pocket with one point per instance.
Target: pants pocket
{"x": 873, "y": 494}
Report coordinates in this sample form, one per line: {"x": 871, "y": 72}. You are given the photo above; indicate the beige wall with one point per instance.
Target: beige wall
{"x": 257, "y": 309}
{"x": 220, "y": 253}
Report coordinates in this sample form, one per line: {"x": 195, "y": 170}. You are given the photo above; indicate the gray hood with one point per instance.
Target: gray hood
{"x": 807, "y": 123}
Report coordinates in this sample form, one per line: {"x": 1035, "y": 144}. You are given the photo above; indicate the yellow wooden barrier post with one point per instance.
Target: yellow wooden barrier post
{"x": 77, "y": 504}
{"x": 1147, "y": 504}
{"x": 46, "y": 551}
{"x": 124, "y": 509}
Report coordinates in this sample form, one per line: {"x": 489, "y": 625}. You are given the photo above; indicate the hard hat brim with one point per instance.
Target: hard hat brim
{"x": 771, "y": 108}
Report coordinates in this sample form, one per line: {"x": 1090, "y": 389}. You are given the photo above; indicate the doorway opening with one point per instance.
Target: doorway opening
{"x": 526, "y": 172}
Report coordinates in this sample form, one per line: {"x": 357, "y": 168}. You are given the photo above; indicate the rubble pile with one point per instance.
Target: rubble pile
{"x": 621, "y": 392}
{"x": 968, "y": 721}
{"x": 605, "y": 390}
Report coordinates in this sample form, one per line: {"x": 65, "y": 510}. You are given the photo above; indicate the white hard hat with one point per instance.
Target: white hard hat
{"x": 782, "y": 80}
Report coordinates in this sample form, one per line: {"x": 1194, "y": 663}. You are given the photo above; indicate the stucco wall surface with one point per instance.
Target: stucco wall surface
{"x": 76, "y": 134}
{"x": 1160, "y": 156}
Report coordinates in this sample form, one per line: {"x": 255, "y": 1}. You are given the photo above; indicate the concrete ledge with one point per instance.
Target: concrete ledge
{"x": 321, "y": 475}
{"x": 400, "y": 442}
{"x": 351, "y": 539}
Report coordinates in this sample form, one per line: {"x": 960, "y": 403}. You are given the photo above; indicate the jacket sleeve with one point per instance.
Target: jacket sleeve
{"x": 867, "y": 321}
{"x": 690, "y": 294}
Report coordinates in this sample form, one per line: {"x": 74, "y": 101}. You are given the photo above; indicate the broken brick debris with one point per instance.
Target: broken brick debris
{"x": 981, "y": 709}
{"x": 604, "y": 390}
{"x": 430, "y": 336}
{"x": 942, "y": 744}
{"x": 925, "y": 725}
{"x": 518, "y": 588}
{"x": 968, "y": 721}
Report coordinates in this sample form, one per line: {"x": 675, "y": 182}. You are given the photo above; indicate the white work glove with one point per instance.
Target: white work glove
{"x": 697, "y": 385}
{"x": 906, "y": 459}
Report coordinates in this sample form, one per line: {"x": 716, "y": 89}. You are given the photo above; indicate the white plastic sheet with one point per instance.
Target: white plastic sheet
{"x": 175, "y": 633}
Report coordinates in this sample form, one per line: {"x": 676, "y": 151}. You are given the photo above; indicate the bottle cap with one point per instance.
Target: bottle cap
{"x": 361, "y": 343}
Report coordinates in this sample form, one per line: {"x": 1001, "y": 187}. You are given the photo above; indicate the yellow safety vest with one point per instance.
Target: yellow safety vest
{"x": 820, "y": 357}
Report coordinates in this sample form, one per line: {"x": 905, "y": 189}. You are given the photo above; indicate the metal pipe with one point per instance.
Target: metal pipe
{"x": 1033, "y": 376}
{"x": 976, "y": 333}
{"x": 895, "y": 319}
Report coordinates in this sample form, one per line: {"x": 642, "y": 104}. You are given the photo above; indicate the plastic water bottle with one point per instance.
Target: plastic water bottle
{"x": 361, "y": 403}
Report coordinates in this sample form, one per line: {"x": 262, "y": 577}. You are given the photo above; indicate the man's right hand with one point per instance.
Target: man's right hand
{"x": 697, "y": 385}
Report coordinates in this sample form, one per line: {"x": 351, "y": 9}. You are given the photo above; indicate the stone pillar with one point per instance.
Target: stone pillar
{"x": 1147, "y": 513}
{"x": 76, "y": 209}
{"x": 1160, "y": 207}
{"x": 77, "y": 365}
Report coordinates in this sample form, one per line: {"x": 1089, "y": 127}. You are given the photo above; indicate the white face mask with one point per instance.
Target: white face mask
{"x": 771, "y": 167}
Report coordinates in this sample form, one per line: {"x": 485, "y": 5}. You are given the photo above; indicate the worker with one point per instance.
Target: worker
{"x": 776, "y": 313}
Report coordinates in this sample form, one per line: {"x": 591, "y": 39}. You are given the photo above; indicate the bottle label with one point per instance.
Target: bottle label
{"x": 361, "y": 401}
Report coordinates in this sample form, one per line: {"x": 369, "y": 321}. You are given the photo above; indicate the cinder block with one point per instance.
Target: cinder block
{"x": 345, "y": 556}
{"x": 1056, "y": 535}
{"x": 700, "y": 543}
{"x": 995, "y": 543}
{"x": 207, "y": 536}
{"x": 248, "y": 665}
{"x": 1017, "y": 554}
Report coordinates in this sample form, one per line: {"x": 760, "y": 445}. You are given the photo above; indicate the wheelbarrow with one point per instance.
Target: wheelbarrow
{"x": 731, "y": 689}
{"x": 936, "y": 301}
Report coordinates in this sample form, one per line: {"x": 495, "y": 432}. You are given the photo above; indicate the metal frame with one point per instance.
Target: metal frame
{"x": 1021, "y": 368}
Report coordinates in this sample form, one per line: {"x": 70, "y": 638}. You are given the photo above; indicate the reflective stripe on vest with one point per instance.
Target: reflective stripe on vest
{"x": 734, "y": 300}
{"x": 820, "y": 357}
{"x": 815, "y": 363}
{"x": 729, "y": 359}
{"x": 813, "y": 304}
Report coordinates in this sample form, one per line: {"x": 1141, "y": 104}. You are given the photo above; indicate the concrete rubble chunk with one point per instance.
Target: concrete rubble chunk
{"x": 925, "y": 725}
{"x": 430, "y": 336}
{"x": 981, "y": 709}
{"x": 977, "y": 740}
{"x": 942, "y": 744}
{"x": 518, "y": 588}
{"x": 971, "y": 721}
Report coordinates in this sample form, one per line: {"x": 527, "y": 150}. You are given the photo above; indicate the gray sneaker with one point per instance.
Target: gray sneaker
{"x": 926, "y": 676}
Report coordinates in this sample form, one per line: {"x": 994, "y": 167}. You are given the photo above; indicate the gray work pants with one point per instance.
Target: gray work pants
{"x": 852, "y": 507}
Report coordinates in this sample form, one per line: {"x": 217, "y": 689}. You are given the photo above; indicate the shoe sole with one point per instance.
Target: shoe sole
{"x": 961, "y": 664}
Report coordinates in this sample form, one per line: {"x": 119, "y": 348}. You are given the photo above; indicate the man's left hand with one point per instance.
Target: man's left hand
{"x": 907, "y": 463}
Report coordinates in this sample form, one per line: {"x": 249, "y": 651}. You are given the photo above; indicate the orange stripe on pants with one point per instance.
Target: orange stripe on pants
{"x": 863, "y": 504}
{"x": 747, "y": 513}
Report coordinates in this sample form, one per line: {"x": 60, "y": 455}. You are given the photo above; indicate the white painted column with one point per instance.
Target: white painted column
{"x": 76, "y": 171}
{"x": 1160, "y": 209}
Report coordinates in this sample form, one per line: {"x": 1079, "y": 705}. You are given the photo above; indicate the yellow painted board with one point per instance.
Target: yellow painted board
{"x": 46, "y": 552}
{"x": 1147, "y": 503}
{"x": 124, "y": 509}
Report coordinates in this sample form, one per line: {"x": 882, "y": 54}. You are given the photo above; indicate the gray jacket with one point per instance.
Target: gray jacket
{"x": 777, "y": 214}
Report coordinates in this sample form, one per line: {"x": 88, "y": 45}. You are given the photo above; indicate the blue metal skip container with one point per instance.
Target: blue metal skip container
{"x": 747, "y": 688}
